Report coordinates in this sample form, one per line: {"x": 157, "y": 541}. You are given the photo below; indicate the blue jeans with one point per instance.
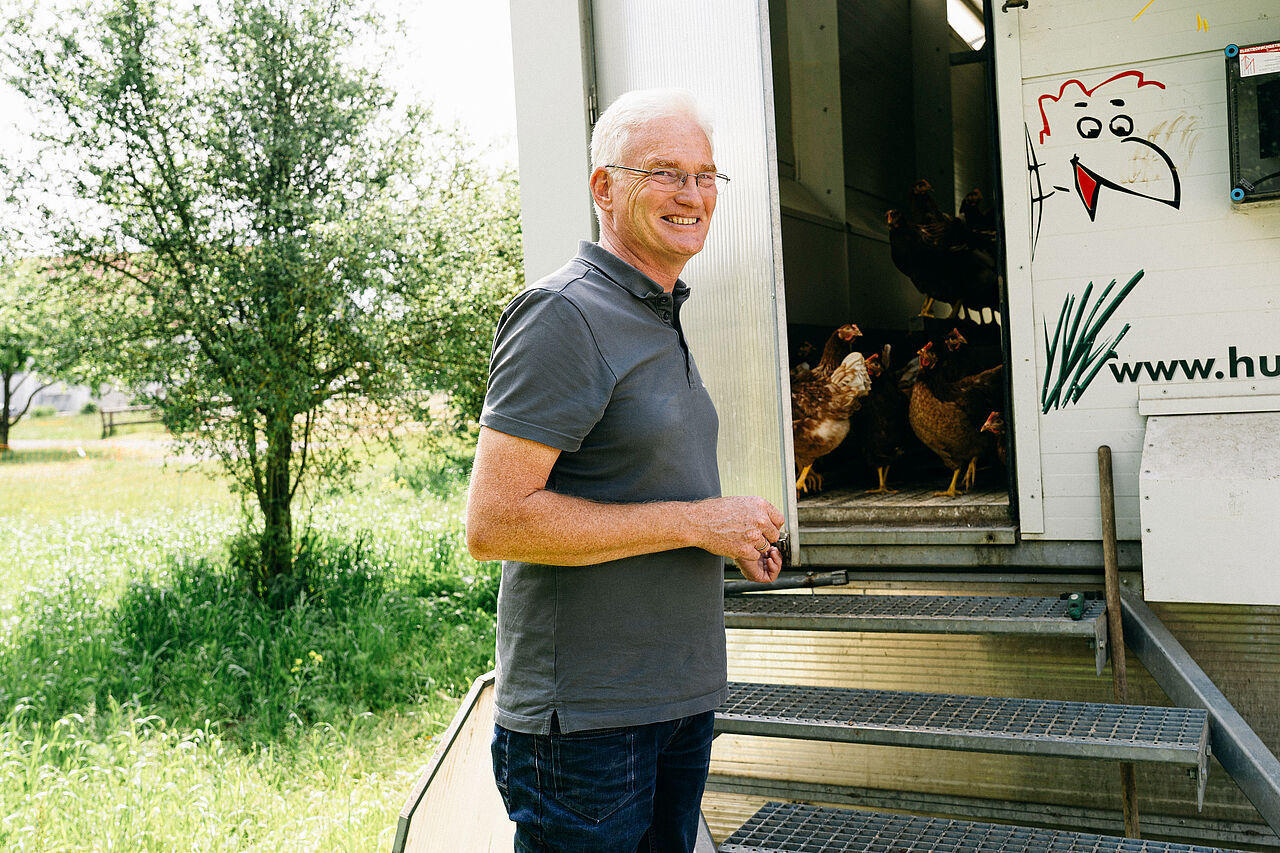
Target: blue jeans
{"x": 636, "y": 789}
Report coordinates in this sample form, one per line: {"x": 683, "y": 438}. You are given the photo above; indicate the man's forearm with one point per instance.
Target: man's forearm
{"x": 511, "y": 515}
{"x": 561, "y": 530}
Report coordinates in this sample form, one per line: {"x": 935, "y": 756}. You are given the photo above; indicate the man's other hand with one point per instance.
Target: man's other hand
{"x": 765, "y": 568}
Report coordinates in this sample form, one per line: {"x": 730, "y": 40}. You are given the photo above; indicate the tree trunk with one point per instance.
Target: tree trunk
{"x": 5, "y": 378}
{"x": 277, "y": 534}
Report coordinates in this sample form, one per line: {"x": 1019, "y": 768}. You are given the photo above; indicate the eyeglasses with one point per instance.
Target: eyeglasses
{"x": 669, "y": 176}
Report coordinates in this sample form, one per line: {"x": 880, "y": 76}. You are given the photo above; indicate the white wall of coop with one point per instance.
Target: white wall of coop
{"x": 1147, "y": 193}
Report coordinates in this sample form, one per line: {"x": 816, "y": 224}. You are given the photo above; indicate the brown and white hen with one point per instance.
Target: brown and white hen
{"x": 822, "y": 399}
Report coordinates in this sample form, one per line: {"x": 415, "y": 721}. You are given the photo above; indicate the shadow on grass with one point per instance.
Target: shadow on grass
{"x": 361, "y": 635}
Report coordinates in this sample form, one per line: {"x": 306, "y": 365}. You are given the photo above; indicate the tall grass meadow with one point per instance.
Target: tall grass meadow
{"x": 149, "y": 701}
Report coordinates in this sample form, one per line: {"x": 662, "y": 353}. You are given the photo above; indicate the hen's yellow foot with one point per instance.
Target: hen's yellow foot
{"x": 951, "y": 491}
{"x": 883, "y": 472}
{"x": 808, "y": 476}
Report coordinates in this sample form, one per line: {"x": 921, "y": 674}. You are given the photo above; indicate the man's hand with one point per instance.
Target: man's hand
{"x": 740, "y": 528}
{"x": 765, "y": 568}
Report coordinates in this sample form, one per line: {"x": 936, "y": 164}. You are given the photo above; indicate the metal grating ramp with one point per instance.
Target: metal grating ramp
{"x": 792, "y": 828}
{"x": 972, "y": 723}
{"x": 921, "y": 614}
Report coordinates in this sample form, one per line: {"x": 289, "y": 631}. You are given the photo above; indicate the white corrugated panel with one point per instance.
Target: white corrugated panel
{"x": 719, "y": 49}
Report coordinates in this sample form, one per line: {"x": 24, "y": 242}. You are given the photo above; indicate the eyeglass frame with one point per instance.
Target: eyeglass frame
{"x": 680, "y": 181}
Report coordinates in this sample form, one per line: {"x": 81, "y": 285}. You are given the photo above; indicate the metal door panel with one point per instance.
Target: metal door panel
{"x": 735, "y": 319}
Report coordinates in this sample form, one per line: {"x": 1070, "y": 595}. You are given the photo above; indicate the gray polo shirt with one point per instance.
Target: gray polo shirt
{"x": 591, "y": 360}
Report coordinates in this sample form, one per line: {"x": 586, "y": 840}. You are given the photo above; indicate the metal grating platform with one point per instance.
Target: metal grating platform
{"x": 923, "y": 614}
{"x": 972, "y": 723}
{"x": 792, "y": 828}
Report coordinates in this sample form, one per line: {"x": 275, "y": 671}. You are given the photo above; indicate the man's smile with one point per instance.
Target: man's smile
{"x": 682, "y": 220}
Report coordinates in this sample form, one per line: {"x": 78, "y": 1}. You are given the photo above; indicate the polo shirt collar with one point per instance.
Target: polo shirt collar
{"x": 632, "y": 280}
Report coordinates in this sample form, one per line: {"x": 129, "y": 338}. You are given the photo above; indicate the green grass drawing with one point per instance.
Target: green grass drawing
{"x": 1071, "y": 359}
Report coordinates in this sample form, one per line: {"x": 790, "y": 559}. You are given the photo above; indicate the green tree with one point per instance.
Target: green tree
{"x": 267, "y": 236}
{"x": 38, "y": 345}
{"x": 17, "y": 358}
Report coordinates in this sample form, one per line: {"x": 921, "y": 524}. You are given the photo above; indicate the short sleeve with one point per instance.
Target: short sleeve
{"x": 547, "y": 379}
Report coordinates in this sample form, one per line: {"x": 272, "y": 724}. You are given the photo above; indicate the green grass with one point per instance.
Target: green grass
{"x": 150, "y": 703}
{"x": 59, "y": 468}
{"x": 120, "y": 780}
{"x": 49, "y": 484}
{"x": 76, "y": 428}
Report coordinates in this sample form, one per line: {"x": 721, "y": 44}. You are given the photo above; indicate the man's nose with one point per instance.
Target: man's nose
{"x": 689, "y": 186}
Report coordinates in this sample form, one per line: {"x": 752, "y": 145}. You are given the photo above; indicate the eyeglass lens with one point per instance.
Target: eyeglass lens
{"x": 671, "y": 177}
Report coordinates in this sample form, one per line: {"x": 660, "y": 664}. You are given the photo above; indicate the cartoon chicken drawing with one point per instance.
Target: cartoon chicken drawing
{"x": 1109, "y": 153}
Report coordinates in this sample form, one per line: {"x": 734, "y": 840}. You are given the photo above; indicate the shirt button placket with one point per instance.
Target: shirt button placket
{"x": 665, "y": 301}
{"x": 664, "y": 307}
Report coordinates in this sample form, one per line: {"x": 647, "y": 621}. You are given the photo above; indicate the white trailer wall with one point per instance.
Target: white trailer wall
{"x": 1134, "y": 94}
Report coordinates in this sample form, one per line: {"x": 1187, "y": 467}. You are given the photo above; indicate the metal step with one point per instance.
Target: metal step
{"x": 922, "y": 614}
{"x": 793, "y": 828}
{"x": 866, "y": 533}
{"x": 972, "y": 723}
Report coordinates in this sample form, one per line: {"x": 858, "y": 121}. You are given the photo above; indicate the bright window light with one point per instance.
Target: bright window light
{"x": 966, "y": 22}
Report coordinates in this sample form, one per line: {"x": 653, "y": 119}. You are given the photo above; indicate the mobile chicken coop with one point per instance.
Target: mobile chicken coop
{"x": 1131, "y": 150}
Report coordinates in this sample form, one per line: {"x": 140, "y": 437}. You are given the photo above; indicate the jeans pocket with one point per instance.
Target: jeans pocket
{"x": 594, "y": 772}
{"x": 499, "y": 749}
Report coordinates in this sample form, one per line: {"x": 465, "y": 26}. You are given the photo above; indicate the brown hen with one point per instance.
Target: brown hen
{"x": 995, "y": 425}
{"x": 822, "y": 399}
{"x": 881, "y": 425}
{"x": 947, "y": 416}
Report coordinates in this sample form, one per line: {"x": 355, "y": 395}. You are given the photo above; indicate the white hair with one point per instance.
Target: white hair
{"x": 631, "y": 111}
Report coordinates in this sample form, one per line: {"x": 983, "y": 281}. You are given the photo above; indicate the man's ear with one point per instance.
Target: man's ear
{"x": 602, "y": 189}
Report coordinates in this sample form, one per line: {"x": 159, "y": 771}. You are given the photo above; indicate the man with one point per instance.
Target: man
{"x": 595, "y": 481}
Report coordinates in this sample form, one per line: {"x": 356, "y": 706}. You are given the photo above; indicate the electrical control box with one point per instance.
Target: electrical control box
{"x": 1253, "y": 119}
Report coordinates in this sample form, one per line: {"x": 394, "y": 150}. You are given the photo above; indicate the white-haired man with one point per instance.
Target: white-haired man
{"x": 595, "y": 481}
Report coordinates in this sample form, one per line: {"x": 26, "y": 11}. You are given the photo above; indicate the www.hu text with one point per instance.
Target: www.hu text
{"x": 1235, "y": 366}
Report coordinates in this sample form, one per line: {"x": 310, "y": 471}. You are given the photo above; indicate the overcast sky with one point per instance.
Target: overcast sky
{"x": 455, "y": 53}
{"x": 459, "y": 57}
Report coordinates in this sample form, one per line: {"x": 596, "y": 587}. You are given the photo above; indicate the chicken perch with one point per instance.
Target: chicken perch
{"x": 822, "y": 400}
